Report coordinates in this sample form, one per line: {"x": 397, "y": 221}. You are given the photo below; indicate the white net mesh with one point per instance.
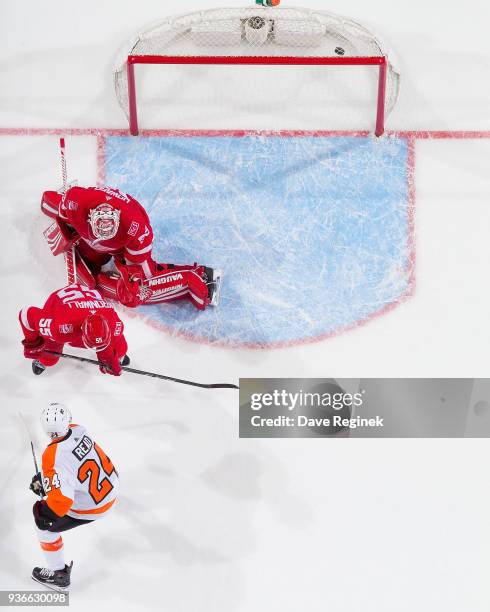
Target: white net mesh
{"x": 255, "y": 31}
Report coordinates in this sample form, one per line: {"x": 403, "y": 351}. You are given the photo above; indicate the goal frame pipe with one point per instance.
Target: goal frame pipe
{"x": 276, "y": 60}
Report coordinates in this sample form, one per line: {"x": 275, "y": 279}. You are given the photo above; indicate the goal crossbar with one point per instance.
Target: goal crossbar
{"x": 276, "y": 60}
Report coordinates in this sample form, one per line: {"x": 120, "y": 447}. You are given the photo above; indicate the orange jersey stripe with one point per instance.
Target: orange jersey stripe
{"x": 51, "y": 546}
{"x": 57, "y": 502}
{"x": 95, "y": 510}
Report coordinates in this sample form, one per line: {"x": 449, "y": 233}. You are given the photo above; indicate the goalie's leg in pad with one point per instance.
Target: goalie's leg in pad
{"x": 88, "y": 264}
{"x": 197, "y": 276}
{"x": 170, "y": 282}
{"x": 178, "y": 282}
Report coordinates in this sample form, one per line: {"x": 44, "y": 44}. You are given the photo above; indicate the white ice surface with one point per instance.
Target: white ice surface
{"x": 207, "y": 521}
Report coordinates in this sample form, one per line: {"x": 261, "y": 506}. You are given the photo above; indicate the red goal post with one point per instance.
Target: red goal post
{"x": 236, "y": 36}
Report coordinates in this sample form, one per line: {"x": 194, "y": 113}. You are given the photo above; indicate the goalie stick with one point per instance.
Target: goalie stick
{"x": 151, "y": 374}
{"x": 71, "y": 273}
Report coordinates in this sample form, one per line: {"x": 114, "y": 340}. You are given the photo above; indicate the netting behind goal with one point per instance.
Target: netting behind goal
{"x": 239, "y": 63}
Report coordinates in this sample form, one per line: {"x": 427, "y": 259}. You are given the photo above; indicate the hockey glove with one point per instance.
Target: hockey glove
{"x": 37, "y": 485}
{"x": 33, "y": 348}
{"x": 109, "y": 362}
{"x": 129, "y": 285}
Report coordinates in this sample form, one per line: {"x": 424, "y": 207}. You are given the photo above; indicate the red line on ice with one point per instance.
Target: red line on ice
{"x": 105, "y": 132}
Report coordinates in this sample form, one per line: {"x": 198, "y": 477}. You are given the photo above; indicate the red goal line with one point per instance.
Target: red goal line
{"x": 107, "y": 132}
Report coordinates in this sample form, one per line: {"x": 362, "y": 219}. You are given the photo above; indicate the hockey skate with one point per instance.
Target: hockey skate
{"x": 58, "y": 580}
{"x": 37, "y": 367}
{"x": 125, "y": 361}
{"x": 213, "y": 280}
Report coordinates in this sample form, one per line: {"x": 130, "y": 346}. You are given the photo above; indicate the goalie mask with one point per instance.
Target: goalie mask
{"x": 104, "y": 221}
{"x": 55, "y": 420}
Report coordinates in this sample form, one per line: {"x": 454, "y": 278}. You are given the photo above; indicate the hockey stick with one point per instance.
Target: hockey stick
{"x": 151, "y": 374}
{"x": 71, "y": 273}
{"x": 21, "y": 416}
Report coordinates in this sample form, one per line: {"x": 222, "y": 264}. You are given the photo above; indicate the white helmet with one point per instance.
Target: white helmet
{"x": 104, "y": 221}
{"x": 55, "y": 420}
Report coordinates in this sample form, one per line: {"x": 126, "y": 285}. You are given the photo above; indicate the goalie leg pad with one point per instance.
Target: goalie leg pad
{"x": 198, "y": 284}
{"x": 93, "y": 259}
{"x": 84, "y": 273}
{"x": 198, "y": 289}
{"x": 107, "y": 285}
{"x": 177, "y": 283}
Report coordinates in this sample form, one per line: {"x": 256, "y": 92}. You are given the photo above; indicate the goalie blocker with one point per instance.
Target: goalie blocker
{"x": 133, "y": 284}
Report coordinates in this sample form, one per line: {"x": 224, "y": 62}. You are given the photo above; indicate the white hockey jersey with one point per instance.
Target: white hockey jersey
{"x": 78, "y": 477}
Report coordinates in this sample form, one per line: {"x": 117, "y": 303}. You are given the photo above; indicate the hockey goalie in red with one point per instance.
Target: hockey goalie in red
{"x": 77, "y": 486}
{"x": 105, "y": 223}
{"x": 80, "y": 317}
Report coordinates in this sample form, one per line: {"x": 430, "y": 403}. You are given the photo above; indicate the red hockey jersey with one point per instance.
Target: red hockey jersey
{"x": 60, "y": 320}
{"x": 134, "y": 238}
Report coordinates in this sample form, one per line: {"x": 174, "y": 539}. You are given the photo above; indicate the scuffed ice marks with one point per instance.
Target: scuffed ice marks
{"x": 311, "y": 232}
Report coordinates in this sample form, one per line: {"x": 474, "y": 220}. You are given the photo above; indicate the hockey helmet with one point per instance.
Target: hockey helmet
{"x": 55, "y": 420}
{"x": 95, "y": 332}
{"x": 104, "y": 221}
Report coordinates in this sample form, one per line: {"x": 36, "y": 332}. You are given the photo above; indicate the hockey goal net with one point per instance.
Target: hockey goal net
{"x": 280, "y": 40}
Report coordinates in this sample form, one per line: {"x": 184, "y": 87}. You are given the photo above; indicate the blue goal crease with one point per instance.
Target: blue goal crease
{"x": 312, "y": 233}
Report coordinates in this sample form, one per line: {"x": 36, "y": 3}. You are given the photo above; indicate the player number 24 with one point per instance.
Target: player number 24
{"x": 49, "y": 483}
{"x": 90, "y": 469}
